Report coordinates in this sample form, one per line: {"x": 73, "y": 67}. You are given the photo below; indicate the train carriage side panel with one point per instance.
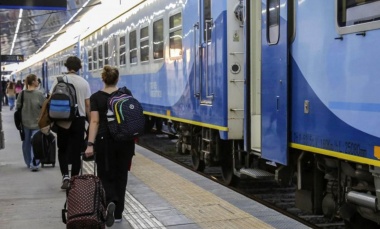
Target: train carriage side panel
{"x": 337, "y": 79}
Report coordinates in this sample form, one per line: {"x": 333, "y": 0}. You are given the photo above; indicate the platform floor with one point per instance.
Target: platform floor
{"x": 160, "y": 194}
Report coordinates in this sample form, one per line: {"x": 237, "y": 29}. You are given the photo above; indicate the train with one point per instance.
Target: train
{"x": 286, "y": 90}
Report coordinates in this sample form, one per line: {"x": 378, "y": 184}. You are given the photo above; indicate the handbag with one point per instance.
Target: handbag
{"x": 44, "y": 121}
{"x": 17, "y": 114}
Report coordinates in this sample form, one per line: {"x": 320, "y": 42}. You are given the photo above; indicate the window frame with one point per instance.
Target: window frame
{"x": 174, "y": 29}
{"x": 144, "y": 39}
{"x": 163, "y": 39}
{"x": 372, "y": 25}
{"x": 135, "y": 48}
{"x": 268, "y": 24}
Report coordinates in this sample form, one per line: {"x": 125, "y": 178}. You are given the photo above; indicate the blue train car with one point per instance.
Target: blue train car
{"x": 270, "y": 89}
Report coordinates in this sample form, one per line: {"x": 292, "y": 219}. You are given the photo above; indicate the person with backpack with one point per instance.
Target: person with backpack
{"x": 70, "y": 133}
{"x": 30, "y": 102}
{"x": 113, "y": 157}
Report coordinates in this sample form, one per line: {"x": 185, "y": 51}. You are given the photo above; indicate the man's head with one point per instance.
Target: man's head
{"x": 73, "y": 63}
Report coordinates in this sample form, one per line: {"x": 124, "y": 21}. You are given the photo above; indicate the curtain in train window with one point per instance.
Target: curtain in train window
{"x": 158, "y": 39}
{"x": 354, "y": 12}
{"x": 106, "y": 54}
{"x": 144, "y": 44}
{"x": 175, "y": 35}
{"x": 89, "y": 54}
{"x": 132, "y": 47}
{"x": 100, "y": 56}
{"x": 122, "y": 53}
{"x": 207, "y": 16}
{"x": 95, "y": 58}
{"x": 273, "y": 21}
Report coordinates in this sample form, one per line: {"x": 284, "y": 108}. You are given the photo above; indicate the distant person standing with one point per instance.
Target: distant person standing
{"x": 31, "y": 108}
{"x": 4, "y": 97}
{"x": 19, "y": 87}
{"x": 11, "y": 94}
{"x": 41, "y": 87}
{"x": 70, "y": 140}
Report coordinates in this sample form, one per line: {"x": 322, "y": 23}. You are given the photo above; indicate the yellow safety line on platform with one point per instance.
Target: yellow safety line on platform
{"x": 197, "y": 204}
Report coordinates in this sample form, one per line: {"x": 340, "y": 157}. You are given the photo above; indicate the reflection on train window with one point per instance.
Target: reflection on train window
{"x": 132, "y": 47}
{"x": 100, "y": 56}
{"x": 122, "y": 60}
{"x": 144, "y": 44}
{"x": 158, "y": 39}
{"x": 175, "y": 35}
{"x": 207, "y": 16}
{"x": 273, "y": 17}
{"x": 106, "y": 54}
{"x": 95, "y": 58}
{"x": 89, "y": 54}
{"x": 355, "y": 12}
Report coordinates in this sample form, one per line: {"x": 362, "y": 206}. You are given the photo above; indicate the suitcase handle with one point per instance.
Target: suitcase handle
{"x": 83, "y": 159}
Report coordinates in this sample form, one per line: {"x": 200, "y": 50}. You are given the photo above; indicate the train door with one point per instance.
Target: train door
{"x": 274, "y": 89}
{"x": 202, "y": 61}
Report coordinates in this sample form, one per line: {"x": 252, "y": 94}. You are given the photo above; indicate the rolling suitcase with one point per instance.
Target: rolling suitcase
{"x": 85, "y": 205}
{"x": 44, "y": 148}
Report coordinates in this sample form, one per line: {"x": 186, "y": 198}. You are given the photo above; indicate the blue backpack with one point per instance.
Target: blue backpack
{"x": 125, "y": 115}
{"x": 63, "y": 102}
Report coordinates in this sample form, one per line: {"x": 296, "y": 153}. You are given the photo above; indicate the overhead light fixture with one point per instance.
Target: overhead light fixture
{"x": 16, "y": 32}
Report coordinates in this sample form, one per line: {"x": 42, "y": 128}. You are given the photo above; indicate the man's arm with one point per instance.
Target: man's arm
{"x": 87, "y": 105}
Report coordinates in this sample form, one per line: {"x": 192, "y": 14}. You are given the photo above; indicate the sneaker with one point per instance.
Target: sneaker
{"x": 65, "y": 182}
{"x": 34, "y": 169}
{"x": 118, "y": 220}
{"x": 110, "y": 219}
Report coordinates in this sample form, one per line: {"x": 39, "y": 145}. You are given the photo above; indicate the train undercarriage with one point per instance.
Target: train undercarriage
{"x": 324, "y": 185}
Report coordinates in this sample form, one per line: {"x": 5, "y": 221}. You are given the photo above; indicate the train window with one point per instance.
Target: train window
{"x": 175, "y": 35}
{"x": 357, "y": 15}
{"x": 95, "y": 58}
{"x": 100, "y": 56}
{"x": 158, "y": 39}
{"x": 207, "y": 17}
{"x": 122, "y": 53}
{"x": 89, "y": 55}
{"x": 132, "y": 47}
{"x": 106, "y": 55}
{"x": 144, "y": 44}
{"x": 273, "y": 23}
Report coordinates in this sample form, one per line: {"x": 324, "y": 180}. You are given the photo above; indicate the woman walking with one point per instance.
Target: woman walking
{"x": 112, "y": 157}
{"x": 11, "y": 94}
{"x": 31, "y": 100}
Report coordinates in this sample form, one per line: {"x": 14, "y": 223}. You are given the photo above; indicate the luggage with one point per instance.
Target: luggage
{"x": 44, "y": 148}
{"x": 85, "y": 205}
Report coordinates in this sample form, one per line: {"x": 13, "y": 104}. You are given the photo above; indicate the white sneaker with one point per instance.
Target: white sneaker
{"x": 118, "y": 220}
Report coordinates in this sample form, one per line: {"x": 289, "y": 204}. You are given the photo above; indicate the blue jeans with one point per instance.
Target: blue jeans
{"x": 11, "y": 101}
{"x": 27, "y": 149}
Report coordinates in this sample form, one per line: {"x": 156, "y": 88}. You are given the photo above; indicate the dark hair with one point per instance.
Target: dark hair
{"x": 30, "y": 79}
{"x": 73, "y": 63}
{"x": 110, "y": 75}
{"x": 39, "y": 80}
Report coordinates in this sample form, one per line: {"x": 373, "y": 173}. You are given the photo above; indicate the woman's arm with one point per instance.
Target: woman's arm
{"x": 93, "y": 131}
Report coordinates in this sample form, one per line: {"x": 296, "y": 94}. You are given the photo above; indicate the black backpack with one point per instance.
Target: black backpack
{"x": 63, "y": 101}
{"x": 125, "y": 115}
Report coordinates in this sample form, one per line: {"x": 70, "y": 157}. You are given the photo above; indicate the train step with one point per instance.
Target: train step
{"x": 257, "y": 173}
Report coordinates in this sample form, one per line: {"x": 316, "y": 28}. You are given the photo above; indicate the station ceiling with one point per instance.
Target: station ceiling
{"x": 37, "y": 27}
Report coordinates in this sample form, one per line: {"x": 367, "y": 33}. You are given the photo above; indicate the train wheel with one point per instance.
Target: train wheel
{"x": 149, "y": 123}
{"x": 227, "y": 161}
{"x": 198, "y": 164}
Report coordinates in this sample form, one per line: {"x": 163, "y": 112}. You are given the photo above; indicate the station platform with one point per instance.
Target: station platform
{"x": 160, "y": 194}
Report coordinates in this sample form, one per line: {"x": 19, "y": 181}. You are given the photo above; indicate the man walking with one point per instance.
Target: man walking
{"x": 70, "y": 138}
